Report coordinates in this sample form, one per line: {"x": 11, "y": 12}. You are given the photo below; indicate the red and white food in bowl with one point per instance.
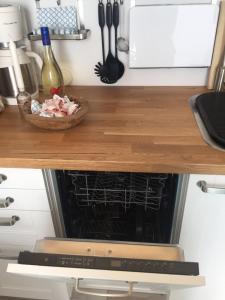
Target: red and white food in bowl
{"x": 55, "y": 107}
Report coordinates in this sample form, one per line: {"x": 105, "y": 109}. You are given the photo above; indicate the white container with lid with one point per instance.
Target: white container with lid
{"x": 10, "y": 24}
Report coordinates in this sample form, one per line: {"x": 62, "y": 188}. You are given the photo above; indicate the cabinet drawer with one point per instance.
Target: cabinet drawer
{"x": 17, "y": 240}
{"x": 203, "y": 236}
{"x": 207, "y": 186}
{"x": 23, "y": 200}
{"x": 17, "y": 286}
{"x": 30, "y": 222}
{"x": 8, "y": 251}
{"x": 22, "y": 178}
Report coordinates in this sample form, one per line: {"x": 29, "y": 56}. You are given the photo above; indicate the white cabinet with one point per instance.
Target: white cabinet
{"x": 30, "y": 223}
{"x": 33, "y": 200}
{"x": 22, "y": 179}
{"x": 203, "y": 237}
{"x": 32, "y": 288}
{"x": 30, "y": 204}
{"x": 172, "y": 36}
{"x": 172, "y": 2}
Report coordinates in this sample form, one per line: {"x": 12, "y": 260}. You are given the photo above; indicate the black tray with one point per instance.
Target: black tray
{"x": 211, "y": 108}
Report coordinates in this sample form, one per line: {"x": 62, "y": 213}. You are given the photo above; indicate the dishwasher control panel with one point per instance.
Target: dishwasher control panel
{"x": 109, "y": 263}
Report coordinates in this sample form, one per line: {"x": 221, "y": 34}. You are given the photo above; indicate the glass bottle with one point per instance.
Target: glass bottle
{"x": 23, "y": 102}
{"x": 51, "y": 75}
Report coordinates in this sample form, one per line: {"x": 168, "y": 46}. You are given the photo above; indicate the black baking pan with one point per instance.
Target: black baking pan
{"x": 211, "y": 108}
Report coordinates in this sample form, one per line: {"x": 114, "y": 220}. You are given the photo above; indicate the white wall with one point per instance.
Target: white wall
{"x": 81, "y": 56}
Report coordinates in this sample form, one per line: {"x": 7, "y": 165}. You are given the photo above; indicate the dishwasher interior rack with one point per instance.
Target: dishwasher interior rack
{"x": 122, "y": 206}
{"x": 124, "y": 189}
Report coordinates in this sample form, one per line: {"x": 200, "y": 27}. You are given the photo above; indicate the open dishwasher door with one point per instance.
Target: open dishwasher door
{"x": 122, "y": 268}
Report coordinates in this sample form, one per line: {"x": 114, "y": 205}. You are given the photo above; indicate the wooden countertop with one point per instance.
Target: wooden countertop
{"x": 148, "y": 129}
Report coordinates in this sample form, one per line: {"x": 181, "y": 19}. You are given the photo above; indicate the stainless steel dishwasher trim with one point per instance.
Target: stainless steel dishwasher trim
{"x": 179, "y": 208}
{"x": 54, "y": 202}
{"x": 158, "y": 283}
{"x": 210, "y": 189}
{"x": 201, "y": 125}
{"x": 57, "y": 215}
{"x": 116, "y": 295}
{"x": 153, "y": 294}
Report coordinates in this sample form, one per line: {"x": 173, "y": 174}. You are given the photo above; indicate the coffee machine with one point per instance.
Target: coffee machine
{"x": 11, "y": 29}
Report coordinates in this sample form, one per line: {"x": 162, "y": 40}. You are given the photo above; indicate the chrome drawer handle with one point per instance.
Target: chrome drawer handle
{"x": 6, "y": 202}
{"x": 9, "y": 221}
{"x": 206, "y": 188}
{"x": 117, "y": 295}
{"x": 2, "y": 178}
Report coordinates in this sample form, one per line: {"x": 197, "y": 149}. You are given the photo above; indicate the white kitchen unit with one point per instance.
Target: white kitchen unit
{"x": 165, "y": 2}
{"x": 113, "y": 267}
{"x": 203, "y": 235}
{"x": 82, "y": 69}
{"x": 171, "y": 36}
{"x": 105, "y": 265}
{"x": 202, "y": 238}
{"x": 22, "y": 194}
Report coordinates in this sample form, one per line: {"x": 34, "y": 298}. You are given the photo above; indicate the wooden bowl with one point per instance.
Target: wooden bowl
{"x": 55, "y": 123}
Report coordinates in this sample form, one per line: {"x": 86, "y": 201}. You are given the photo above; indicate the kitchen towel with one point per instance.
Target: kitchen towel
{"x": 61, "y": 17}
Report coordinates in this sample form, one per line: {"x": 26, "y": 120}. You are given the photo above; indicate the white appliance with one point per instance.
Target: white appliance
{"x": 108, "y": 268}
{"x": 172, "y": 36}
{"x": 114, "y": 269}
{"x": 172, "y": 2}
{"x": 10, "y": 24}
{"x": 11, "y": 29}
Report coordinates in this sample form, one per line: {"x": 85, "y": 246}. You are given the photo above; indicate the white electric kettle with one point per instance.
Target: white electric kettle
{"x": 11, "y": 30}
{"x": 8, "y": 85}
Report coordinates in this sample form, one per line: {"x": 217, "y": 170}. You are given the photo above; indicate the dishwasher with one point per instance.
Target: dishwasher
{"x": 117, "y": 235}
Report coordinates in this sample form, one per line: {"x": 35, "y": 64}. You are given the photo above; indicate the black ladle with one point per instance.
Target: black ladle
{"x": 111, "y": 61}
{"x": 116, "y": 24}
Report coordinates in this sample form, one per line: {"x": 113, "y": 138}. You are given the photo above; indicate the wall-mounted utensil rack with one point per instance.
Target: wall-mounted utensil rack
{"x": 81, "y": 35}
{"x": 65, "y": 30}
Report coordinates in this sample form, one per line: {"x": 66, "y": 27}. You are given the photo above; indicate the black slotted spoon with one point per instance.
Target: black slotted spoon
{"x": 100, "y": 69}
{"x": 108, "y": 72}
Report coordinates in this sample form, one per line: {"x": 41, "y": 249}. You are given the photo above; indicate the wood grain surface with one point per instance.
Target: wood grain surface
{"x": 149, "y": 129}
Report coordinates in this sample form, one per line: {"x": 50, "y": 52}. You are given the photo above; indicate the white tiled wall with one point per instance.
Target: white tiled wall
{"x": 81, "y": 56}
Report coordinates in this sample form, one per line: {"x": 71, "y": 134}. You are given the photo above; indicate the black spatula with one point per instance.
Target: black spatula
{"x": 116, "y": 24}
